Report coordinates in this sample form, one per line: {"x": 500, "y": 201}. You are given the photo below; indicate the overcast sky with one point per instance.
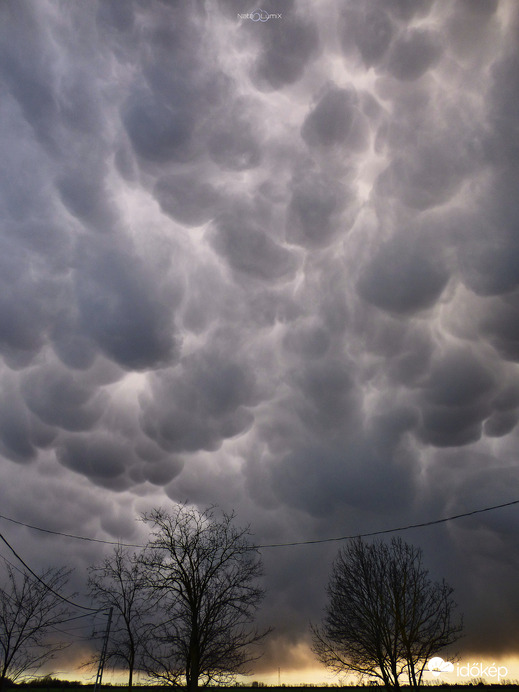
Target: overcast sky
{"x": 272, "y": 265}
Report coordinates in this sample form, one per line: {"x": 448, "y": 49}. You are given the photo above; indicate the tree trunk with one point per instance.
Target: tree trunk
{"x": 412, "y": 677}
{"x": 194, "y": 672}
{"x": 3, "y": 676}
{"x": 193, "y": 683}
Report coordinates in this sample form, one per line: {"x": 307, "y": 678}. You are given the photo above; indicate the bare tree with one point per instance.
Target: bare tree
{"x": 205, "y": 572}
{"x": 385, "y": 617}
{"x": 120, "y": 583}
{"x": 29, "y": 610}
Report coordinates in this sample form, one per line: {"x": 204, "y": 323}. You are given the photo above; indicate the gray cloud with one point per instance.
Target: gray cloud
{"x": 271, "y": 265}
{"x": 308, "y": 339}
{"x": 236, "y": 143}
{"x": 83, "y": 194}
{"x": 427, "y": 180}
{"x": 123, "y": 310}
{"x": 287, "y": 47}
{"x": 336, "y": 120}
{"x": 315, "y": 213}
{"x": 403, "y": 277}
{"x": 249, "y": 249}
{"x": 186, "y": 199}
{"x": 102, "y": 460}
{"x": 60, "y": 400}
{"x": 406, "y": 9}
{"x": 370, "y": 29}
{"x": 413, "y": 54}
{"x": 212, "y": 396}
{"x": 15, "y": 425}
{"x": 157, "y": 132}
{"x": 501, "y": 327}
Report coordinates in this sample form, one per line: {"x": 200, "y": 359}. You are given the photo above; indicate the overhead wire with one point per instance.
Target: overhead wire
{"x": 70, "y": 632}
{"x": 40, "y": 580}
{"x": 405, "y": 527}
{"x": 70, "y": 535}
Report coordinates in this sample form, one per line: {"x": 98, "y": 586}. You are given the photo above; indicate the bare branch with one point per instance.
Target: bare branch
{"x": 385, "y": 618}
{"x": 29, "y": 610}
{"x": 120, "y": 582}
{"x": 204, "y": 573}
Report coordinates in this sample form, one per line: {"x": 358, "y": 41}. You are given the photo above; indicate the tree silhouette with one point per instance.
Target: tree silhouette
{"x": 204, "y": 573}
{"x": 29, "y": 611}
{"x": 120, "y": 583}
{"x": 385, "y": 618}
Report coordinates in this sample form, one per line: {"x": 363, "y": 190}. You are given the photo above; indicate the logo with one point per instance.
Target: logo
{"x": 259, "y": 16}
{"x": 437, "y": 666}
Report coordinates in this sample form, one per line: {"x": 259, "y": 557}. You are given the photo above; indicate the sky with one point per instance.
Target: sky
{"x": 269, "y": 265}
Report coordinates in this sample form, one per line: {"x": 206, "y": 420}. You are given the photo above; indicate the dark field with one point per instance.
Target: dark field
{"x": 314, "y": 688}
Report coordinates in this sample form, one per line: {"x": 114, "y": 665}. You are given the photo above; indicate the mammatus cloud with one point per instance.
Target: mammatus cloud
{"x": 271, "y": 265}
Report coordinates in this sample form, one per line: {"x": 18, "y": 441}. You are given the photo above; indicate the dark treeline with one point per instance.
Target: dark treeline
{"x": 180, "y": 610}
{"x": 49, "y": 683}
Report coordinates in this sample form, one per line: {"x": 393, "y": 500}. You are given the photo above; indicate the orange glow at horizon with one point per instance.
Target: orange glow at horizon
{"x": 466, "y": 670}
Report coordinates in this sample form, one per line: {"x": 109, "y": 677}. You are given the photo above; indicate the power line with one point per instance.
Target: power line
{"x": 394, "y": 530}
{"x": 63, "y": 598}
{"x": 70, "y": 535}
{"x": 370, "y": 534}
{"x": 79, "y": 637}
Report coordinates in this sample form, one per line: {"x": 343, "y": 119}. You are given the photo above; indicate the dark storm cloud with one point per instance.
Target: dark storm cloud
{"x": 315, "y": 211}
{"x": 73, "y": 348}
{"x": 328, "y": 395}
{"x": 369, "y": 28}
{"x": 157, "y": 132}
{"x": 403, "y": 276}
{"x": 336, "y": 120}
{"x": 186, "y": 199}
{"x": 464, "y": 398}
{"x": 236, "y": 142}
{"x": 101, "y": 459}
{"x": 501, "y": 326}
{"x": 406, "y": 10}
{"x": 413, "y": 54}
{"x": 308, "y": 339}
{"x": 502, "y": 104}
{"x": 23, "y": 316}
{"x": 15, "y": 424}
{"x": 500, "y": 424}
{"x": 249, "y": 249}
{"x": 26, "y": 62}
{"x": 458, "y": 379}
{"x": 286, "y": 47}
{"x": 83, "y": 193}
{"x": 426, "y": 179}
{"x": 168, "y": 110}
{"x": 210, "y": 403}
{"x": 235, "y": 152}
{"x": 59, "y": 399}
{"x": 320, "y": 480}
{"x": 126, "y": 312}
{"x": 271, "y": 265}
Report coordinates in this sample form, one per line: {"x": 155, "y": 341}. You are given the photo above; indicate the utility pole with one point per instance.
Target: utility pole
{"x": 103, "y": 652}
